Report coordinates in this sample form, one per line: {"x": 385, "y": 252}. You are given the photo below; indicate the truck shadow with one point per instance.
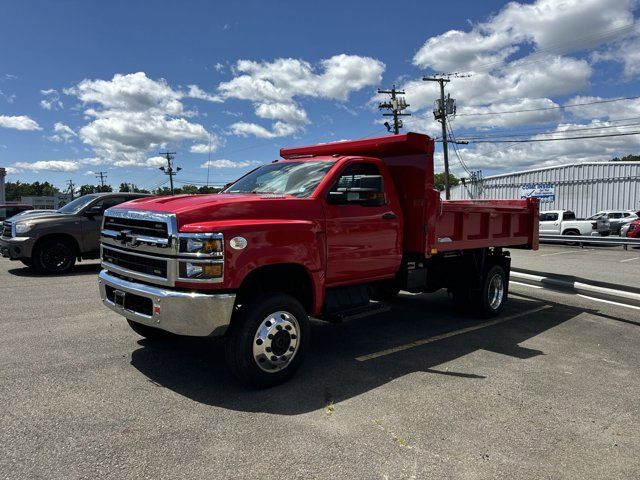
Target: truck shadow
{"x": 331, "y": 373}
{"x": 89, "y": 268}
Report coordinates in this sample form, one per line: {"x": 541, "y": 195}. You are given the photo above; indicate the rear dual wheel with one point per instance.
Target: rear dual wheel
{"x": 487, "y": 301}
{"x": 267, "y": 340}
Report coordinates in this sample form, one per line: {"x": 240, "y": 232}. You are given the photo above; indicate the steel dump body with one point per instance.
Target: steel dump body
{"x": 433, "y": 225}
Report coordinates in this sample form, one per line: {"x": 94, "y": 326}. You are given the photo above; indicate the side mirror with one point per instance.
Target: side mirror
{"x": 366, "y": 190}
{"x": 94, "y": 211}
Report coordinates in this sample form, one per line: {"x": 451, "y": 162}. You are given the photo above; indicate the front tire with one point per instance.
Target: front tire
{"x": 267, "y": 340}
{"x": 54, "y": 256}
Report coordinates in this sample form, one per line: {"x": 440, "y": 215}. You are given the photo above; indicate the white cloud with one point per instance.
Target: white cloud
{"x": 63, "y": 133}
{"x": 196, "y": 92}
{"x": 19, "y": 122}
{"x": 279, "y": 129}
{"x": 547, "y": 24}
{"x": 133, "y": 114}
{"x": 223, "y": 163}
{"x": 218, "y": 67}
{"x": 211, "y": 146}
{"x": 12, "y": 170}
{"x": 55, "y": 165}
{"x": 276, "y": 87}
{"x": 52, "y": 99}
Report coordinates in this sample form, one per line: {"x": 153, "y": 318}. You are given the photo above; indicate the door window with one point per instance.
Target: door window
{"x": 361, "y": 182}
{"x": 548, "y": 217}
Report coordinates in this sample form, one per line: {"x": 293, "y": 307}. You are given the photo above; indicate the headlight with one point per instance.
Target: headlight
{"x": 23, "y": 227}
{"x": 202, "y": 244}
{"x": 200, "y": 270}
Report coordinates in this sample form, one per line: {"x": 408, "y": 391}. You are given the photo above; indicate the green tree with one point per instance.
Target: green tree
{"x": 86, "y": 190}
{"x": 209, "y": 190}
{"x": 439, "y": 180}
{"x": 16, "y": 190}
{"x": 190, "y": 189}
{"x": 628, "y": 158}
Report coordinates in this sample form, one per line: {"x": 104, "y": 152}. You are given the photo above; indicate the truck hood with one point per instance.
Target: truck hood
{"x": 36, "y": 214}
{"x": 199, "y": 209}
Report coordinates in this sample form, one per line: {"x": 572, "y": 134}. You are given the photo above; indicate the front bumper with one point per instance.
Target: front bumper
{"x": 16, "y": 247}
{"x": 183, "y": 313}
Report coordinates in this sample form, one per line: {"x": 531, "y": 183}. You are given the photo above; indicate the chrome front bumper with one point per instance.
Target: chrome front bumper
{"x": 183, "y": 313}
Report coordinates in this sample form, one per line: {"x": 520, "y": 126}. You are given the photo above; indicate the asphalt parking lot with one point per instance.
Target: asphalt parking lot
{"x": 548, "y": 390}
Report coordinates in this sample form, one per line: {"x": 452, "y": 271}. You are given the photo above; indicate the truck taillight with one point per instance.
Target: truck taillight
{"x": 594, "y": 225}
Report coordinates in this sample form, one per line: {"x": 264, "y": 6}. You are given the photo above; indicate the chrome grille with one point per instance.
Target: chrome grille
{"x": 148, "y": 228}
{"x": 6, "y": 229}
{"x": 133, "y": 262}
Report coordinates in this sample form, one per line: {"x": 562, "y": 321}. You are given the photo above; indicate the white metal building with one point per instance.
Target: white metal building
{"x": 584, "y": 188}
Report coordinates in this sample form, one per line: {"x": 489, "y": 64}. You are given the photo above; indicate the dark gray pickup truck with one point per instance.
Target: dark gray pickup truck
{"x": 51, "y": 241}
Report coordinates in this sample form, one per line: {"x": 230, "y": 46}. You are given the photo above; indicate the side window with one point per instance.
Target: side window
{"x": 568, "y": 215}
{"x": 102, "y": 205}
{"x": 626, "y": 214}
{"x": 359, "y": 183}
{"x": 615, "y": 215}
{"x": 548, "y": 217}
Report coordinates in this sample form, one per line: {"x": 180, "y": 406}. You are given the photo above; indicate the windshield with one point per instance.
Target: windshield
{"x": 299, "y": 179}
{"x": 598, "y": 216}
{"x": 78, "y": 204}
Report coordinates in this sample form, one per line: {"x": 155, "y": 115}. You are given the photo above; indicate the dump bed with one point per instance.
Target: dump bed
{"x": 432, "y": 225}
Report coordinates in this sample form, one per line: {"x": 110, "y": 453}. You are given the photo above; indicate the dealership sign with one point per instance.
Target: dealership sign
{"x": 545, "y": 192}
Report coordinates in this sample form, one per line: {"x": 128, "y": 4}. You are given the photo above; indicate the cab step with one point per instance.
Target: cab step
{"x": 340, "y": 316}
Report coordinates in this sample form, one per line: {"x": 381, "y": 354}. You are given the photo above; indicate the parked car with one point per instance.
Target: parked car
{"x": 52, "y": 240}
{"x": 564, "y": 222}
{"x": 617, "y": 218}
{"x": 631, "y": 229}
{"x": 8, "y": 210}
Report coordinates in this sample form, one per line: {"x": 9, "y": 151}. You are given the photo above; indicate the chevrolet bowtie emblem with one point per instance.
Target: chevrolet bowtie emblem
{"x": 124, "y": 236}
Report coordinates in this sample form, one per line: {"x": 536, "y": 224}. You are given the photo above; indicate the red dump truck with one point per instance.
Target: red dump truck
{"x": 320, "y": 232}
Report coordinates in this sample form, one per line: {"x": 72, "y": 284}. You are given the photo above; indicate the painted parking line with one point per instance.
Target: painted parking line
{"x": 424, "y": 341}
{"x": 563, "y": 253}
{"x": 629, "y": 259}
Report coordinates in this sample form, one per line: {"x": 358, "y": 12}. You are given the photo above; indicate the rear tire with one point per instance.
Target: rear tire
{"x": 572, "y": 233}
{"x": 148, "y": 332}
{"x": 267, "y": 340}
{"x": 54, "y": 256}
{"x": 490, "y": 300}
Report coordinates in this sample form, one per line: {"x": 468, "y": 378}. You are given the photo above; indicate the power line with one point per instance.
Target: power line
{"x": 531, "y": 140}
{"x": 525, "y": 134}
{"x": 443, "y": 108}
{"x": 548, "y": 108}
{"x": 101, "y": 176}
{"x": 396, "y": 105}
{"x": 168, "y": 170}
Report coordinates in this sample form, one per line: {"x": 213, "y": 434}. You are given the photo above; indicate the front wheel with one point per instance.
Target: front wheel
{"x": 267, "y": 340}
{"x": 54, "y": 256}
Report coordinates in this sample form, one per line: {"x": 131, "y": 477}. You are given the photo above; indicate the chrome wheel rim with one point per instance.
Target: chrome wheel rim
{"x": 496, "y": 291}
{"x": 276, "y": 341}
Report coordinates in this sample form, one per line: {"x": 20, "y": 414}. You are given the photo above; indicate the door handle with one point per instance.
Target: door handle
{"x": 389, "y": 216}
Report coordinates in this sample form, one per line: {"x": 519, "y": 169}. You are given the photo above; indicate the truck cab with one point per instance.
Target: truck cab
{"x": 321, "y": 232}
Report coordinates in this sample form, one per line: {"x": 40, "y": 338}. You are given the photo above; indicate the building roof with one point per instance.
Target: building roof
{"x": 564, "y": 165}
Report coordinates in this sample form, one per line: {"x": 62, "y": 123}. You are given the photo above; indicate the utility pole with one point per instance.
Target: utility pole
{"x": 443, "y": 108}
{"x": 70, "y": 187}
{"x": 396, "y": 105}
{"x": 101, "y": 176}
{"x": 168, "y": 170}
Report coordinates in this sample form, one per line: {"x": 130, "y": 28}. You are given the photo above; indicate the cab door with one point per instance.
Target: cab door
{"x": 363, "y": 235}
{"x": 91, "y": 222}
{"x": 550, "y": 223}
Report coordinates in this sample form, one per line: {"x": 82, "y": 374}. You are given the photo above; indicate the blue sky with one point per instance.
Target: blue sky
{"x": 104, "y": 86}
